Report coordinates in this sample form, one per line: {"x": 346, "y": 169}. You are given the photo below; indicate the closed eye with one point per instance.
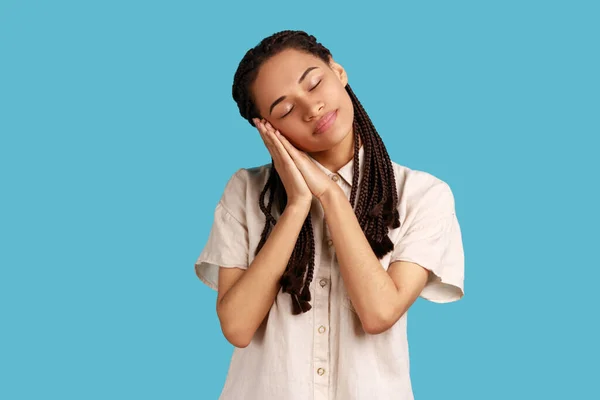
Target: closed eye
{"x": 312, "y": 88}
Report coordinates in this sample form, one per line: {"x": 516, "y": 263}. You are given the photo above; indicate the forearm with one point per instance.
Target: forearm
{"x": 245, "y": 305}
{"x": 370, "y": 288}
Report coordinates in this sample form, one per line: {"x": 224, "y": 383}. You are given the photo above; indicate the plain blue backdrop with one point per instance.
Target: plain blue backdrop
{"x": 118, "y": 134}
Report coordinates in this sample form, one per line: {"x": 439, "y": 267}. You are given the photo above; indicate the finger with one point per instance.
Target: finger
{"x": 274, "y": 134}
{"x": 299, "y": 157}
{"x": 279, "y": 136}
{"x": 276, "y": 148}
{"x": 268, "y": 142}
{"x": 290, "y": 148}
{"x": 259, "y": 126}
{"x": 271, "y": 134}
{"x": 265, "y": 133}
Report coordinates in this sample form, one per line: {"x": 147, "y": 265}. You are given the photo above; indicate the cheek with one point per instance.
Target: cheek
{"x": 297, "y": 135}
{"x": 289, "y": 129}
{"x": 333, "y": 95}
{"x": 284, "y": 126}
{"x": 293, "y": 126}
{"x": 337, "y": 97}
{"x": 345, "y": 101}
{"x": 346, "y": 114}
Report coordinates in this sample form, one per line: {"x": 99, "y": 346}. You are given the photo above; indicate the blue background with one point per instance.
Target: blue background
{"x": 118, "y": 134}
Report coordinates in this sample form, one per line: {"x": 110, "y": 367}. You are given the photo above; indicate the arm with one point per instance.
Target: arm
{"x": 379, "y": 297}
{"x": 246, "y": 296}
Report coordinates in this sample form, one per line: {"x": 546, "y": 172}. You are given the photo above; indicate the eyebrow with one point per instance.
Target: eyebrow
{"x": 279, "y": 100}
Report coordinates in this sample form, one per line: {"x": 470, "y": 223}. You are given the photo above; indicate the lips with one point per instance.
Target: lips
{"x": 325, "y": 122}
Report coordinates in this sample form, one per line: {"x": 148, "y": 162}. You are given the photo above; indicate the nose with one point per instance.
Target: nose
{"x": 314, "y": 108}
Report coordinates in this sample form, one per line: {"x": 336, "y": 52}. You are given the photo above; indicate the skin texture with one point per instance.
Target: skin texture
{"x": 279, "y": 76}
{"x": 379, "y": 297}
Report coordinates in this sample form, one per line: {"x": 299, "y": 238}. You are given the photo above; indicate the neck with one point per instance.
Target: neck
{"x": 339, "y": 155}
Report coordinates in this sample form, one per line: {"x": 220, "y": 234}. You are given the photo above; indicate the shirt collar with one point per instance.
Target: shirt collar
{"x": 347, "y": 171}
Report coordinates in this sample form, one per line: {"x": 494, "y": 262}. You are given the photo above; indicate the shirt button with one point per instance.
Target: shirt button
{"x": 329, "y": 242}
{"x": 335, "y": 178}
{"x": 323, "y": 282}
{"x": 320, "y": 371}
{"x": 321, "y": 329}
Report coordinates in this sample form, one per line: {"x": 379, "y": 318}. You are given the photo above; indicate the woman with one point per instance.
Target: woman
{"x": 318, "y": 256}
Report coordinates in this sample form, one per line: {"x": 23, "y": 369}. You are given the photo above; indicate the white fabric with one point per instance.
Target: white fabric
{"x": 287, "y": 353}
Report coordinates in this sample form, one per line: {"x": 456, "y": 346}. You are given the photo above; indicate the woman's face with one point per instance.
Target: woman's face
{"x": 294, "y": 90}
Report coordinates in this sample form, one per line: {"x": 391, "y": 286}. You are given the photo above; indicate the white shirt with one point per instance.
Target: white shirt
{"x": 324, "y": 353}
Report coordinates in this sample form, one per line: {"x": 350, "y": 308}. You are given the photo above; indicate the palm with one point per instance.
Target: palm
{"x": 317, "y": 181}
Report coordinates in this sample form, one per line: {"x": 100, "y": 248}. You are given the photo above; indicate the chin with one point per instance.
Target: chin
{"x": 333, "y": 139}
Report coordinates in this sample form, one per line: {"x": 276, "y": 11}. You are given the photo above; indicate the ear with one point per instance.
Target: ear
{"x": 339, "y": 71}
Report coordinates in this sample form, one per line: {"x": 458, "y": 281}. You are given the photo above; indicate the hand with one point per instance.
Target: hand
{"x": 295, "y": 186}
{"x": 318, "y": 182}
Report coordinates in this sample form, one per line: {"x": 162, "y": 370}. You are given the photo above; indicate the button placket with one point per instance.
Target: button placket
{"x": 322, "y": 297}
{"x": 321, "y": 320}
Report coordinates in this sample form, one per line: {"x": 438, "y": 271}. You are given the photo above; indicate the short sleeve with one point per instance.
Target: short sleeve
{"x": 227, "y": 243}
{"x": 433, "y": 240}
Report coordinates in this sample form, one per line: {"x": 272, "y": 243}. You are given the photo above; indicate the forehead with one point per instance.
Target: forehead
{"x": 280, "y": 73}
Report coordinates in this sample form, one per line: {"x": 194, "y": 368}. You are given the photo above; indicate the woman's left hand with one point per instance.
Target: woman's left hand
{"x": 317, "y": 181}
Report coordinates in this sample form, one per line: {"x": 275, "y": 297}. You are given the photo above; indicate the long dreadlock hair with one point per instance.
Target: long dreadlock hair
{"x": 375, "y": 207}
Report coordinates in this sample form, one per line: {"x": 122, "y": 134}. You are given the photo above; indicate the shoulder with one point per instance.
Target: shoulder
{"x": 253, "y": 175}
{"x": 244, "y": 184}
{"x": 418, "y": 190}
{"x": 249, "y": 178}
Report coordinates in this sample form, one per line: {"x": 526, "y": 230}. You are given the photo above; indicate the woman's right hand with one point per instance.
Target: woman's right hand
{"x": 298, "y": 192}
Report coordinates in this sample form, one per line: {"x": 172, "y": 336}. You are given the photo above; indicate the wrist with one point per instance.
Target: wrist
{"x": 332, "y": 195}
{"x": 297, "y": 207}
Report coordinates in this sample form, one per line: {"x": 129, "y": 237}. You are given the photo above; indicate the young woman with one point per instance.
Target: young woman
{"x": 318, "y": 255}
